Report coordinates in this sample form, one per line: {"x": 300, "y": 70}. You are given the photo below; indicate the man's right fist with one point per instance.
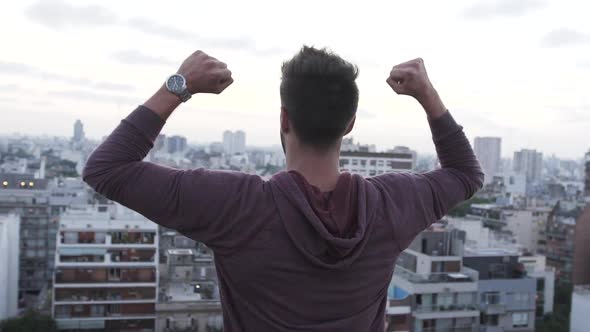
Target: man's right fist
{"x": 205, "y": 74}
{"x": 410, "y": 78}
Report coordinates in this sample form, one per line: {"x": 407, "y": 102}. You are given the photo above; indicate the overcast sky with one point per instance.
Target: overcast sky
{"x": 518, "y": 69}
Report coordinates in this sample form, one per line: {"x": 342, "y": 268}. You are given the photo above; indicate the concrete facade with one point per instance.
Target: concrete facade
{"x": 9, "y": 265}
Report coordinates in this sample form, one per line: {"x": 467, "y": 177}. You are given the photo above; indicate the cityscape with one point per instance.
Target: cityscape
{"x": 513, "y": 258}
{"x": 267, "y": 80}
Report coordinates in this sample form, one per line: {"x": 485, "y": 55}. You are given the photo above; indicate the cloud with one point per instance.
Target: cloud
{"x": 7, "y": 100}
{"x": 9, "y": 87}
{"x": 94, "y": 97}
{"x": 15, "y": 68}
{"x": 154, "y": 28}
{"x": 502, "y": 8}
{"x": 59, "y": 14}
{"x": 132, "y": 57}
{"x": 564, "y": 37}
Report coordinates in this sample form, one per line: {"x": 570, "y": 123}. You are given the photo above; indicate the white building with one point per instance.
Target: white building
{"x": 9, "y": 265}
{"x": 106, "y": 270}
{"x": 526, "y": 224}
{"x": 376, "y": 163}
{"x": 580, "y": 309}
{"x": 442, "y": 291}
{"x": 528, "y": 162}
{"x": 488, "y": 151}
{"x": 535, "y": 267}
{"x": 234, "y": 142}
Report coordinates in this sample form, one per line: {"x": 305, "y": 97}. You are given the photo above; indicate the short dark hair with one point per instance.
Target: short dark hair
{"x": 320, "y": 95}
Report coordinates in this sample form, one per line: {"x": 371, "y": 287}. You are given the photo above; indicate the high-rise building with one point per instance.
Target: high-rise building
{"x": 581, "y": 268}
{"x": 234, "y": 142}
{"x": 430, "y": 277}
{"x": 176, "y": 144}
{"x": 78, "y": 131}
{"x": 106, "y": 270}
{"x": 29, "y": 198}
{"x": 507, "y": 296}
{"x": 525, "y": 224}
{"x": 587, "y": 180}
{"x": 528, "y": 162}
{"x": 239, "y": 142}
{"x": 9, "y": 265}
{"x": 488, "y": 151}
{"x": 556, "y": 242}
{"x": 189, "y": 293}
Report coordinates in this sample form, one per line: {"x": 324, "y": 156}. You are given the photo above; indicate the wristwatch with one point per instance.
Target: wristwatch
{"x": 176, "y": 84}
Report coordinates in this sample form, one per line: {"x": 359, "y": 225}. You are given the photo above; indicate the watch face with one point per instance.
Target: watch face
{"x": 175, "y": 83}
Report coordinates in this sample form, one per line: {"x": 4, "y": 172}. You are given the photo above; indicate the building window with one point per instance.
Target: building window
{"x": 355, "y": 162}
{"x": 373, "y": 162}
{"x": 372, "y": 172}
{"x": 491, "y": 298}
{"x": 520, "y": 319}
{"x": 363, "y": 162}
{"x": 344, "y": 162}
{"x": 380, "y": 162}
{"x": 489, "y": 320}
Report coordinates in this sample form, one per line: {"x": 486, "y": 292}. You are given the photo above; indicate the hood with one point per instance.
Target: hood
{"x": 329, "y": 228}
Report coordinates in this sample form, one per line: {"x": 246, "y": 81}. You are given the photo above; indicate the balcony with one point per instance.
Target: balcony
{"x": 104, "y": 310}
{"x": 95, "y": 295}
{"x": 469, "y": 328}
{"x": 466, "y": 275}
{"x": 466, "y": 281}
{"x": 493, "y": 309}
{"x": 103, "y": 275}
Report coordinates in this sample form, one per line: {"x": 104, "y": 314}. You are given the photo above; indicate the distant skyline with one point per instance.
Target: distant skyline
{"x": 513, "y": 69}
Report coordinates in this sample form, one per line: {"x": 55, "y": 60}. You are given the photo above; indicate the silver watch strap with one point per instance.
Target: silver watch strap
{"x": 185, "y": 95}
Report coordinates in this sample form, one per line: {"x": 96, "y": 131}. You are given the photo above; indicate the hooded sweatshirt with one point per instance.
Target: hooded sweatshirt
{"x": 288, "y": 256}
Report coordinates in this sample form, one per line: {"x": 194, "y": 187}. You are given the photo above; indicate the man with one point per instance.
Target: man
{"x": 312, "y": 249}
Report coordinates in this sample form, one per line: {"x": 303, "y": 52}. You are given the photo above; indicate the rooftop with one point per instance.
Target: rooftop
{"x": 104, "y": 217}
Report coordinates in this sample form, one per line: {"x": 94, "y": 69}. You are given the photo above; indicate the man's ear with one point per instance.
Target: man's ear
{"x": 350, "y": 125}
{"x": 285, "y": 124}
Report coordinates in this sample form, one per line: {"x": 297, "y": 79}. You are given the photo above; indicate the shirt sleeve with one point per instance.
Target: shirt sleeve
{"x": 413, "y": 201}
{"x": 206, "y": 205}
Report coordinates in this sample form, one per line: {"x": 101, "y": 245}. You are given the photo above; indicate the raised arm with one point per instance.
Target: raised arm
{"x": 414, "y": 201}
{"x": 184, "y": 200}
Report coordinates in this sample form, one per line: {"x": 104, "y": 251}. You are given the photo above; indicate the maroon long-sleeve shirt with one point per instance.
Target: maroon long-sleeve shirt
{"x": 288, "y": 257}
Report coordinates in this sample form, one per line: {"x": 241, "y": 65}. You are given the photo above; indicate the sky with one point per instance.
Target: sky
{"x": 517, "y": 69}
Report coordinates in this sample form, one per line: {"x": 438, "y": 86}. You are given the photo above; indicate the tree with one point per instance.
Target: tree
{"x": 31, "y": 321}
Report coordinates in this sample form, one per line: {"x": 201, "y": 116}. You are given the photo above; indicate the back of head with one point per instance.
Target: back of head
{"x": 320, "y": 96}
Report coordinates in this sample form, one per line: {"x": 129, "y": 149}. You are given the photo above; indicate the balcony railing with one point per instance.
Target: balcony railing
{"x": 469, "y": 328}
{"x": 451, "y": 307}
{"x": 466, "y": 275}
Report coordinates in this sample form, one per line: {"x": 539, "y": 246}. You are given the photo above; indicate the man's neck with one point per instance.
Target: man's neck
{"x": 320, "y": 169}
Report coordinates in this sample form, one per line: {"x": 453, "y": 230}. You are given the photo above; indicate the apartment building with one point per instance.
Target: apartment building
{"x": 506, "y": 294}
{"x": 556, "y": 242}
{"x": 106, "y": 272}
{"x": 189, "y": 293}
{"x": 27, "y": 197}
{"x": 536, "y": 267}
{"x": 525, "y": 224}
{"x": 439, "y": 290}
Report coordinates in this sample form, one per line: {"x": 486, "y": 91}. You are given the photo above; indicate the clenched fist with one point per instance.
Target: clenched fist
{"x": 410, "y": 78}
{"x": 205, "y": 74}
